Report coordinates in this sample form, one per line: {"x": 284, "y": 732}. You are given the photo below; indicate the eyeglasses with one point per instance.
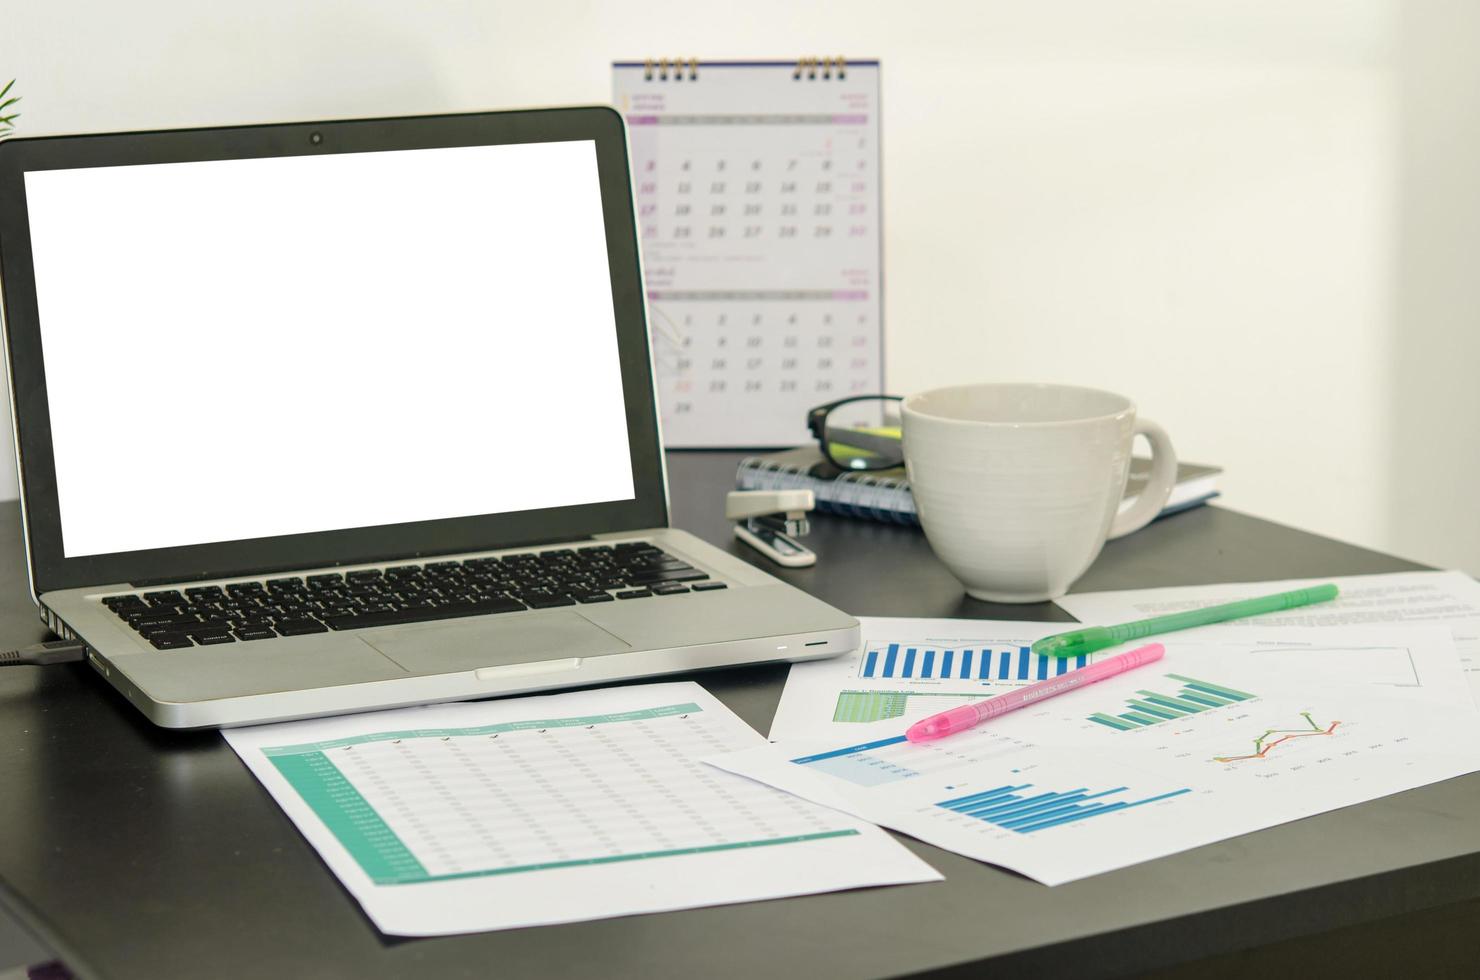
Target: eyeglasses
{"x": 859, "y": 433}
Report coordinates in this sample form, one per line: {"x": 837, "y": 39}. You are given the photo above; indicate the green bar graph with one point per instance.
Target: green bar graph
{"x": 1206, "y": 700}
{"x": 1147, "y": 708}
{"x": 1153, "y": 708}
{"x": 1177, "y": 704}
{"x": 1211, "y": 688}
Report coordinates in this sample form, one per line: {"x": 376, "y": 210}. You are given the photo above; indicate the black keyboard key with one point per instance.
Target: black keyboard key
{"x": 365, "y": 575}
{"x": 245, "y": 590}
{"x": 594, "y": 597}
{"x": 300, "y": 627}
{"x": 549, "y": 602}
{"x": 634, "y": 594}
{"x": 326, "y": 578}
{"x": 404, "y": 571}
{"x": 285, "y": 586}
{"x": 707, "y": 586}
{"x": 667, "y": 575}
{"x": 451, "y": 610}
{"x": 164, "y": 617}
{"x": 255, "y": 633}
{"x": 122, "y": 603}
{"x": 205, "y": 593}
{"x": 164, "y": 629}
{"x": 169, "y": 597}
{"x": 671, "y": 588}
{"x": 213, "y": 639}
{"x": 171, "y": 641}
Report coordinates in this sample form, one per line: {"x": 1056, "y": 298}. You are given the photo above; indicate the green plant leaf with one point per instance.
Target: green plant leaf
{"x": 6, "y": 88}
{"x": 9, "y": 102}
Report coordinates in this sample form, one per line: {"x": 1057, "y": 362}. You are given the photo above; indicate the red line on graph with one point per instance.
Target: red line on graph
{"x": 1263, "y": 749}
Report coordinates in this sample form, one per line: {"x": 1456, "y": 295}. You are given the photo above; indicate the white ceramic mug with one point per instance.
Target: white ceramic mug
{"x": 1018, "y": 485}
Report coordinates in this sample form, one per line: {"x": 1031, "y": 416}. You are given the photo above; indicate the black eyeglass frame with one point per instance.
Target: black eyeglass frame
{"x": 817, "y": 416}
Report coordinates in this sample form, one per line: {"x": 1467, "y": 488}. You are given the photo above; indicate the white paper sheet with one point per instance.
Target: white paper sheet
{"x": 497, "y": 814}
{"x": 942, "y": 663}
{"x": 1220, "y": 738}
{"x": 1451, "y": 599}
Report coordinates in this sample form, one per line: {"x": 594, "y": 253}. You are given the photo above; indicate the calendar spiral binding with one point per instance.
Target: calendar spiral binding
{"x": 875, "y": 498}
{"x": 810, "y": 68}
{"x": 829, "y": 67}
{"x": 664, "y": 68}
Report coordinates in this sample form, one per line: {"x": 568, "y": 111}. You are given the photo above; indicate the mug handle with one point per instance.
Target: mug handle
{"x": 1153, "y": 497}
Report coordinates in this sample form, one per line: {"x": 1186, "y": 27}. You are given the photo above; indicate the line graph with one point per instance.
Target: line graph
{"x": 1265, "y": 743}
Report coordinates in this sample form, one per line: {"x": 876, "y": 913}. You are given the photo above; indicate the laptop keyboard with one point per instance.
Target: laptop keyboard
{"x": 172, "y": 619}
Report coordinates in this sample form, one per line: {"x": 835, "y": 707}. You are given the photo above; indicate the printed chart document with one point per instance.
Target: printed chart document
{"x": 1450, "y": 599}
{"x": 907, "y": 669}
{"x": 497, "y": 814}
{"x": 1222, "y": 737}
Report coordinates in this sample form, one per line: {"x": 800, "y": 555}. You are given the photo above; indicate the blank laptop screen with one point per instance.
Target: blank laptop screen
{"x": 248, "y": 348}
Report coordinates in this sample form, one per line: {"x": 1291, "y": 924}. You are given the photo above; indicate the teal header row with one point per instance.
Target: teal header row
{"x": 645, "y": 714}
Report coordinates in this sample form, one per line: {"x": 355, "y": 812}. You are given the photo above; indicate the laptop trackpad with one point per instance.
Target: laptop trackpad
{"x": 492, "y": 641}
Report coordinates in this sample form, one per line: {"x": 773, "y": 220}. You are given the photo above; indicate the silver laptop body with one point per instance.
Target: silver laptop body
{"x": 328, "y": 417}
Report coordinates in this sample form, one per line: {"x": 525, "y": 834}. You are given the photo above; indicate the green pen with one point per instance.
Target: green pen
{"x": 1092, "y": 638}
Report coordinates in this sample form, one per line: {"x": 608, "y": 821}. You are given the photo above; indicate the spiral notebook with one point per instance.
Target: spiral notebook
{"x": 885, "y": 495}
{"x": 757, "y": 191}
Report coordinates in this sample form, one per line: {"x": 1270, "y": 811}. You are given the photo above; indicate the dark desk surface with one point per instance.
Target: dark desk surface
{"x": 142, "y": 853}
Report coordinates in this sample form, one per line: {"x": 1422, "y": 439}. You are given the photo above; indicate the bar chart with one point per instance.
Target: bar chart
{"x": 1024, "y": 810}
{"x": 988, "y": 663}
{"x": 1152, "y": 708}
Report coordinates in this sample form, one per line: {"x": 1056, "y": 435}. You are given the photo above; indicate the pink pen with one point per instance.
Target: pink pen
{"x": 967, "y": 716}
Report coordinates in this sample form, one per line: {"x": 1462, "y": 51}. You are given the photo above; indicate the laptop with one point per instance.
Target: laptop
{"x": 326, "y": 417}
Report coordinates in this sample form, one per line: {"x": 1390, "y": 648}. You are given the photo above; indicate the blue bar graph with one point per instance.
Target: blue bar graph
{"x": 1022, "y": 810}
{"x": 900, "y": 660}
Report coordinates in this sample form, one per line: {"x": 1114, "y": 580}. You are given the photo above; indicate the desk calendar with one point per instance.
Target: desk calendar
{"x": 757, "y": 193}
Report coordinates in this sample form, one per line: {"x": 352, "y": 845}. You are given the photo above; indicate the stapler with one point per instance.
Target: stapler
{"x": 770, "y": 521}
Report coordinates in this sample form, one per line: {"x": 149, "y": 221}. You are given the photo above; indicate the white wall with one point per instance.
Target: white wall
{"x": 1197, "y": 204}
{"x": 1435, "y": 468}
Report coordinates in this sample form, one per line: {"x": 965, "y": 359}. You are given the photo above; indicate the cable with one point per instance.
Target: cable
{"x": 44, "y": 654}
